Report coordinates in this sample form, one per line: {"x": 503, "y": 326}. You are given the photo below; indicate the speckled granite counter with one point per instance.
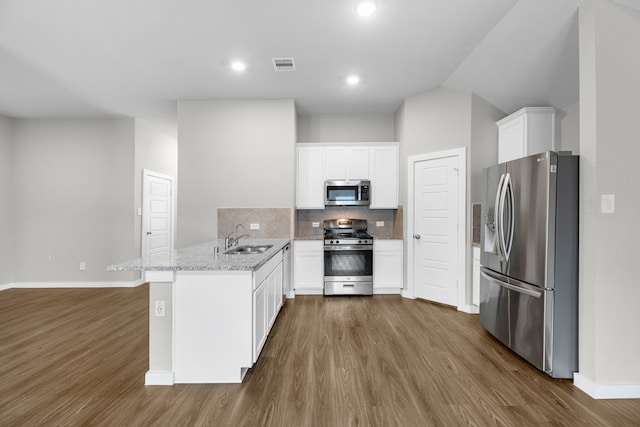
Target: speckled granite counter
{"x": 202, "y": 257}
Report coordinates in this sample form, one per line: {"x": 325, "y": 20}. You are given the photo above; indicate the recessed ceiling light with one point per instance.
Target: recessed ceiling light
{"x": 353, "y": 80}
{"x": 366, "y": 8}
{"x": 238, "y": 66}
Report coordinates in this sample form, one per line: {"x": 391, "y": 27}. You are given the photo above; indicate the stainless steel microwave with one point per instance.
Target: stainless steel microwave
{"x": 346, "y": 193}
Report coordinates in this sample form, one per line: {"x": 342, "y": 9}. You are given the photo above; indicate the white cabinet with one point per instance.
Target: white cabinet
{"x": 310, "y": 178}
{"x": 387, "y": 266}
{"x": 259, "y": 319}
{"x": 528, "y": 131}
{"x": 347, "y": 162}
{"x": 317, "y": 163}
{"x": 308, "y": 267}
{"x": 475, "y": 292}
{"x": 267, "y": 300}
{"x": 384, "y": 177}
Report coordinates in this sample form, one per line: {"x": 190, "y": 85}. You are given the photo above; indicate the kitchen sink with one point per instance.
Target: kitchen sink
{"x": 248, "y": 250}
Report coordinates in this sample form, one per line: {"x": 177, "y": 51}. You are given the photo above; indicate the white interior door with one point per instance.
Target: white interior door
{"x": 435, "y": 230}
{"x": 157, "y": 218}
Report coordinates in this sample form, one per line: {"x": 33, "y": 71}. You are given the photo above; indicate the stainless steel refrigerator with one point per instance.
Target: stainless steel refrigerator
{"x": 529, "y": 259}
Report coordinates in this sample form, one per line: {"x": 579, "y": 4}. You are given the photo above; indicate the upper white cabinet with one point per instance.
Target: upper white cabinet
{"x": 319, "y": 162}
{"x": 530, "y": 130}
{"x": 384, "y": 177}
{"x": 350, "y": 163}
{"x": 310, "y": 182}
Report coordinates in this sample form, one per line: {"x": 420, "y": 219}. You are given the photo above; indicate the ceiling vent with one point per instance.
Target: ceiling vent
{"x": 284, "y": 64}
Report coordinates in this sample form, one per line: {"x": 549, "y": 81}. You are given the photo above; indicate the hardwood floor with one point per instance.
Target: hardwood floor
{"x": 78, "y": 357}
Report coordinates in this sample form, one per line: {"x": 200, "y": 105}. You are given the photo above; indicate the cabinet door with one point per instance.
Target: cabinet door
{"x": 358, "y": 163}
{"x": 308, "y": 266}
{"x": 511, "y": 140}
{"x": 387, "y": 265}
{"x": 384, "y": 177}
{"x": 310, "y": 182}
{"x": 345, "y": 162}
{"x": 336, "y": 163}
{"x": 259, "y": 319}
{"x": 275, "y": 296}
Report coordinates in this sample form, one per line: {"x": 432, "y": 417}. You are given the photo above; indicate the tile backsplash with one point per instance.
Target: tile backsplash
{"x": 275, "y": 223}
{"x": 392, "y": 219}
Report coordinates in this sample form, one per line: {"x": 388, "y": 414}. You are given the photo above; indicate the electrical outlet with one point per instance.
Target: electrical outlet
{"x": 254, "y": 226}
{"x": 607, "y": 204}
{"x": 379, "y": 223}
{"x": 159, "y": 308}
{"x": 83, "y": 266}
{"x": 315, "y": 224}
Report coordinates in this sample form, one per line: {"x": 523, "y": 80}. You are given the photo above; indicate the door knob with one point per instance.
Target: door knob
{"x": 416, "y": 236}
{"x": 148, "y": 232}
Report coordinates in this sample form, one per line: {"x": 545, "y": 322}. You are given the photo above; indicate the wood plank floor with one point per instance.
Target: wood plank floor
{"x": 78, "y": 357}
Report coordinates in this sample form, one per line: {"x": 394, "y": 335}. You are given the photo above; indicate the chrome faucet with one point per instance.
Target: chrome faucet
{"x": 233, "y": 241}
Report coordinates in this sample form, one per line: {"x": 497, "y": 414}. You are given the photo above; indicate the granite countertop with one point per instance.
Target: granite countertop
{"x": 202, "y": 257}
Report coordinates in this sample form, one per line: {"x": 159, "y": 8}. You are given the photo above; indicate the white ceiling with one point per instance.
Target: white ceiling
{"x": 137, "y": 57}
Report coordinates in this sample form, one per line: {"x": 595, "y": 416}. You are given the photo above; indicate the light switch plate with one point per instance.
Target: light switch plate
{"x": 254, "y": 226}
{"x": 379, "y": 223}
{"x": 607, "y": 203}
{"x": 315, "y": 224}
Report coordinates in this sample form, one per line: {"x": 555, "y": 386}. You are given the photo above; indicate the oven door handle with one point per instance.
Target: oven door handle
{"x": 348, "y": 248}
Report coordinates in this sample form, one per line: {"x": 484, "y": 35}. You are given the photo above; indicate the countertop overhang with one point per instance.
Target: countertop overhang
{"x": 203, "y": 257}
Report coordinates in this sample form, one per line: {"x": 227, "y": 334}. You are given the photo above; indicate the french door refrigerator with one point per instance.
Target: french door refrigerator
{"x": 529, "y": 259}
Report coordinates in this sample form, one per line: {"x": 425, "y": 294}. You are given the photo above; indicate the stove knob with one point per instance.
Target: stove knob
{"x": 337, "y": 242}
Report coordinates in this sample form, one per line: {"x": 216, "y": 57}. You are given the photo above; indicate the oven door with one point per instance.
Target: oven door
{"x": 348, "y": 263}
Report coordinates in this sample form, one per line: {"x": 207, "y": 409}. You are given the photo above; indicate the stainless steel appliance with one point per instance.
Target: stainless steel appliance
{"x": 346, "y": 193}
{"x": 348, "y": 257}
{"x": 529, "y": 260}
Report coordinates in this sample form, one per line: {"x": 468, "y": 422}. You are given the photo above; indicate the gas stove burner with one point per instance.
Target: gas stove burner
{"x": 345, "y": 231}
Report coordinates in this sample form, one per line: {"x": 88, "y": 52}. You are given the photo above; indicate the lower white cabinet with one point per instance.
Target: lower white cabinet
{"x": 267, "y": 301}
{"x": 388, "y": 266}
{"x": 308, "y": 267}
{"x": 259, "y": 319}
{"x": 222, "y": 320}
{"x": 476, "y": 277}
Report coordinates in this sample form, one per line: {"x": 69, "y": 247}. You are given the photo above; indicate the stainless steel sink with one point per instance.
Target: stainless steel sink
{"x": 248, "y": 250}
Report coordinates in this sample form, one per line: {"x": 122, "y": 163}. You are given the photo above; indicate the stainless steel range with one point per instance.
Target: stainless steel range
{"x": 348, "y": 257}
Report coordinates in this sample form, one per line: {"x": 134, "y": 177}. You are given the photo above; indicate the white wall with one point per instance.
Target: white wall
{"x": 609, "y": 290}
{"x": 434, "y": 120}
{"x": 568, "y": 128}
{"x": 232, "y": 154}
{"x": 346, "y": 128}
{"x": 6, "y": 233}
{"x": 157, "y": 151}
{"x": 444, "y": 119}
{"x": 72, "y": 193}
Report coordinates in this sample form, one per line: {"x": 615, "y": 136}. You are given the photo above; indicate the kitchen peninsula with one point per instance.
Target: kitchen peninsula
{"x": 209, "y": 312}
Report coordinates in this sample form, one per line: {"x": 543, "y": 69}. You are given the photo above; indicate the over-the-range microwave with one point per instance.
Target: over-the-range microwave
{"x": 346, "y": 193}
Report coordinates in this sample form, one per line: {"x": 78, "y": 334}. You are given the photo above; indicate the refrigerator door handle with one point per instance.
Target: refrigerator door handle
{"x": 502, "y": 243}
{"x": 497, "y": 218}
{"x": 509, "y": 191}
{"x": 515, "y": 288}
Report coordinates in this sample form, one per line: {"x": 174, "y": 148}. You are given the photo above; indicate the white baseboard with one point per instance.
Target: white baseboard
{"x": 310, "y": 291}
{"x": 52, "y": 285}
{"x": 387, "y": 291}
{"x": 158, "y": 378}
{"x": 291, "y": 295}
{"x": 469, "y": 308}
{"x": 406, "y": 294}
{"x": 602, "y": 391}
